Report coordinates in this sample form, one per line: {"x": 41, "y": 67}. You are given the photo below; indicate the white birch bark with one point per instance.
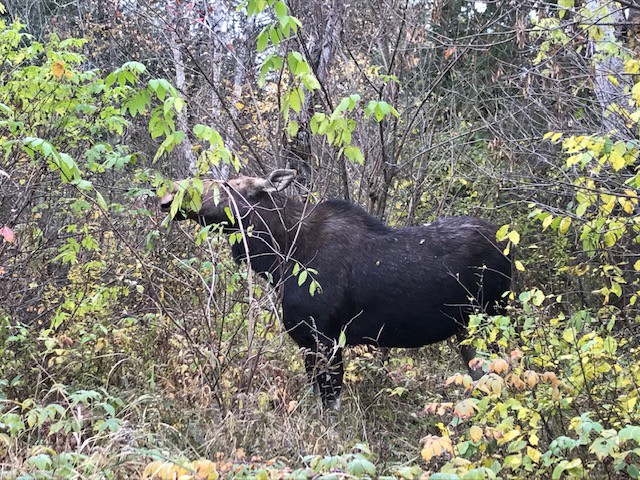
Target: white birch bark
{"x": 611, "y": 86}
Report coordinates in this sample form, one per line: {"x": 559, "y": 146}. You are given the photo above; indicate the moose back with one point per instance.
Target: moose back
{"x": 389, "y": 287}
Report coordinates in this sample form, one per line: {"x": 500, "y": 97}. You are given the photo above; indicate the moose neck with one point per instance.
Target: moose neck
{"x": 270, "y": 229}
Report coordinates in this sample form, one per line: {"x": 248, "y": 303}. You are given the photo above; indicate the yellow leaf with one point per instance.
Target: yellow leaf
{"x": 510, "y": 435}
{"x": 546, "y": 222}
{"x": 580, "y": 209}
{"x": 616, "y": 289}
{"x": 636, "y": 266}
{"x": 239, "y": 105}
{"x": 475, "y": 433}
{"x": 519, "y": 266}
{"x": 205, "y": 470}
{"x": 100, "y": 344}
{"x": 456, "y": 379}
{"x": 58, "y": 69}
{"x": 517, "y": 382}
{"x": 632, "y": 66}
{"x": 627, "y": 206}
{"x": 427, "y": 452}
{"x": 435, "y": 446}
{"x": 533, "y": 439}
{"x": 514, "y": 237}
{"x": 573, "y": 159}
{"x": 609, "y": 203}
{"x": 534, "y": 454}
{"x": 635, "y": 92}
{"x": 616, "y": 160}
{"x": 501, "y": 234}
{"x": 163, "y": 471}
{"x": 564, "y": 225}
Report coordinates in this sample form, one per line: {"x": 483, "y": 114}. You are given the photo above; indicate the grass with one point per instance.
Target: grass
{"x": 280, "y": 418}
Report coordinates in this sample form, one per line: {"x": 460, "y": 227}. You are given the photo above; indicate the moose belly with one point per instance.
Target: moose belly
{"x": 402, "y": 328}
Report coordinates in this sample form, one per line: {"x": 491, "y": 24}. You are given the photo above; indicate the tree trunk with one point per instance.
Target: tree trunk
{"x": 321, "y": 47}
{"x": 611, "y": 85}
{"x": 185, "y": 149}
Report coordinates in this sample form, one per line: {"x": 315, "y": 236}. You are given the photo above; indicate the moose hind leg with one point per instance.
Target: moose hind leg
{"x": 468, "y": 353}
{"x": 311, "y": 365}
{"x": 324, "y": 366}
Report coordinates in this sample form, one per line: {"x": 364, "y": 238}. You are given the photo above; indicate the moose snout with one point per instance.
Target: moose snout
{"x": 165, "y": 202}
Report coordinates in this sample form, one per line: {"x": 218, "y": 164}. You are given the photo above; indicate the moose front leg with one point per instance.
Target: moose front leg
{"x": 325, "y": 368}
{"x": 468, "y": 353}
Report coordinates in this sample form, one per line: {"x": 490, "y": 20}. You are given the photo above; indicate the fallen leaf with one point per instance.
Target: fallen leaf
{"x": 7, "y": 233}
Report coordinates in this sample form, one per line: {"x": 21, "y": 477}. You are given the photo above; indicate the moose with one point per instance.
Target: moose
{"x": 378, "y": 285}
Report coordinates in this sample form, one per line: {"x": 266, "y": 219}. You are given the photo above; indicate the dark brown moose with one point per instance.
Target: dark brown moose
{"x": 389, "y": 287}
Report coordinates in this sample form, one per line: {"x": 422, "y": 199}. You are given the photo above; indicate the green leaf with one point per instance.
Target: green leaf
{"x": 109, "y": 409}
{"x": 101, "y": 202}
{"x": 297, "y": 64}
{"x": 581, "y": 209}
{"x": 197, "y": 184}
{"x": 274, "y": 36}
{"x": 229, "y": 213}
{"x": 41, "y": 461}
{"x": 616, "y": 289}
{"x": 296, "y": 99}
{"x": 292, "y": 128}
{"x": 263, "y": 40}
{"x": 176, "y": 204}
{"x": 354, "y": 154}
{"x": 280, "y": 9}
{"x": 310, "y": 81}
{"x": 630, "y": 432}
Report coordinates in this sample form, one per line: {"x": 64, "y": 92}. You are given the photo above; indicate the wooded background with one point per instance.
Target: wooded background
{"x": 125, "y": 340}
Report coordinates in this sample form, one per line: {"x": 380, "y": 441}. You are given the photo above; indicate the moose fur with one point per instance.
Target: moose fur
{"x": 384, "y": 286}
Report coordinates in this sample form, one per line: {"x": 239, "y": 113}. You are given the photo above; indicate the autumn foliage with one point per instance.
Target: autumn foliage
{"x": 131, "y": 348}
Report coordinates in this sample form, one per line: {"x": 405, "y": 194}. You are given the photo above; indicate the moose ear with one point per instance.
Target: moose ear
{"x": 278, "y": 180}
